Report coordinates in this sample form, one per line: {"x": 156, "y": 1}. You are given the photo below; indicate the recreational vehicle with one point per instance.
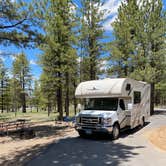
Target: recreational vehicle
{"x": 111, "y": 105}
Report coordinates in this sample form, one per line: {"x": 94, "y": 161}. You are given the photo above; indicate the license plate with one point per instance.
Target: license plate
{"x": 88, "y": 131}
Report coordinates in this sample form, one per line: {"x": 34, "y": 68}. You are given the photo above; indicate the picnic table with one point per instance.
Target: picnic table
{"x": 5, "y": 127}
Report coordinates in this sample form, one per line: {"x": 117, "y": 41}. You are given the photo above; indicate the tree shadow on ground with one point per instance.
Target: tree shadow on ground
{"x": 38, "y": 131}
{"x": 84, "y": 152}
{"x": 130, "y": 132}
{"x": 159, "y": 112}
{"x": 96, "y": 150}
{"x": 23, "y": 156}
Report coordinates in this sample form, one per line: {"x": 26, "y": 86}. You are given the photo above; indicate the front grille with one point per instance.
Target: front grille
{"x": 90, "y": 121}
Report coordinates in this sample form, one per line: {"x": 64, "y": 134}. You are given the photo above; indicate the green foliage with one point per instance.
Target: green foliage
{"x": 123, "y": 47}
{"x": 22, "y": 78}
{"x": 91, "y": 34}
{"x": 36, "y": 96}
{"x": 4, "y": 89}
{"x": 59, "y": 57}
{"x": 139, "y": 48}
{"x": 17, "y": 25}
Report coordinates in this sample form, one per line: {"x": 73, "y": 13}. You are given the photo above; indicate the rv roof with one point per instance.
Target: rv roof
{"x": 109, "y": 87}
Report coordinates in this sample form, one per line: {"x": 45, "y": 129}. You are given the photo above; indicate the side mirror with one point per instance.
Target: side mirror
{"x": 130, "y": 106}
{"x": 79, "y": 107}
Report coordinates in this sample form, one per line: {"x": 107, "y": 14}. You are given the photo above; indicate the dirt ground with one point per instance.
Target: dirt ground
{"x": 158, "y": 137}
{"x": 13, "y": 149}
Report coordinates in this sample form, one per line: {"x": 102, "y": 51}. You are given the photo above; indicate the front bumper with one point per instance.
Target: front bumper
{"x": 101, "y": 129}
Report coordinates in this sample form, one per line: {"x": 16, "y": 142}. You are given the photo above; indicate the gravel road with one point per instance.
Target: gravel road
{"x": 131, "y": 149}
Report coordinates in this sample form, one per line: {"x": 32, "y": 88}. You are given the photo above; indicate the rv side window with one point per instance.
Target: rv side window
{"x": 137, "y": 97}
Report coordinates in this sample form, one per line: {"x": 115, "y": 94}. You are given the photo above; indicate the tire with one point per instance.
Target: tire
{"x": 142, "y": 122}
{"x": 115, "y": 131}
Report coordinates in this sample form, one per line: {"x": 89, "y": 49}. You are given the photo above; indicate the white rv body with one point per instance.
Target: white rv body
{"x": 131, "y": 100}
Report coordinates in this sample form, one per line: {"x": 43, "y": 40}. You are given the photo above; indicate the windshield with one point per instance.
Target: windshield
{"x": 101, "y": 104}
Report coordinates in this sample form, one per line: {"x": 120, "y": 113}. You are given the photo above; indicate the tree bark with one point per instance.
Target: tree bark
{"x": 74, "y": 98}
{"x": 59, "y": 102}
{"x": 24, "y": 103}
{"x": 49, "y": 109}
{"x": 2, "y": 109}
{"x": 59, "y": 95}
{"x": 152, "y": 99}
{"x": 23, "y": 94}
{"x": 67, "y": 95}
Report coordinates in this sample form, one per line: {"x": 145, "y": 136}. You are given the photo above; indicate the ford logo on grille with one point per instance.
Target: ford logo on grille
{"x": 90, "y": 120}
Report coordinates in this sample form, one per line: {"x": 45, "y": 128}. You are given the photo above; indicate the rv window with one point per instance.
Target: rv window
{"x": 121, "y": 104}
{"x": 137, "y": 97}
{"x": 102, "y": 104}
{"x": 128, "y": 87}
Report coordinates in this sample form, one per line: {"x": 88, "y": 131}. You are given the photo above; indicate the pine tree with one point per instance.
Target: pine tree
{"x": 48, "y": 97}
{"x": 36, "y": 96}
{"x": 123, "y": 47}
{"x": 91, "y": 33}
{"x": 21, "y": 72}
{"x": 59, "y": 56}
{"x": 17, "y": 25}
{"x": 4, "y": 89}
{"x": 140, "y": 42}
{"x": 151, "y": 47}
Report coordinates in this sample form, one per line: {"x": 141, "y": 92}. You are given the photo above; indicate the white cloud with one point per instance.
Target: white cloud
{"x": 103, "y": 65}
{"x": 73, "y": 8}
{"x": 32, "y": 62}
{"x": 3, "y": 59}
{"x": 79, "y": 59}
{"x": 111, "y": 8}
{"x": 13, "y": 57}
{"x": 108, "y": 24}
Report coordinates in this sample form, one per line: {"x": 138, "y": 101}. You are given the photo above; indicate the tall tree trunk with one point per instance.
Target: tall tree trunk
{"x": 152, "y": 99}
{"x": 92, "y": 69}
{"x": 92, "y": 63}
{"x": 74, "y": 98}
{"x": 126, "y": 70}
{"x": 59, "y": 103}
{"x": 2, "y": 109}
{"x": 67, "y": 95}
{"x": 59, "y": 95}
{"x": 49, "y": 108}
{"x": 23, "y": 95}
{"x": 24, "y": 103}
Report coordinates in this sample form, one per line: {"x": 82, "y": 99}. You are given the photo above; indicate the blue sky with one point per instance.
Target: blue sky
{"x": 33, "y": 54}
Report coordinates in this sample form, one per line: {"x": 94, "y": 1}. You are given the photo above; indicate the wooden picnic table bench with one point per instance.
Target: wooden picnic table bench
{"x": 14, "y": 125}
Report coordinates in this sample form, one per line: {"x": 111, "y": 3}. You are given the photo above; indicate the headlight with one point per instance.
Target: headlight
{"x": 106, "y": 121}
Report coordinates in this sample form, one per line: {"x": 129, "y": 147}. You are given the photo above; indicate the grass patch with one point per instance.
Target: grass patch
{"x": 33, "y": 115}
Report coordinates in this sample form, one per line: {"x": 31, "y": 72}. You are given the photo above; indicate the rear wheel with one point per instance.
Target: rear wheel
{"x": 115, "y": 131}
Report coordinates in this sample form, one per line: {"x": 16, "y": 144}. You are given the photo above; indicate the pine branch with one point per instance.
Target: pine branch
{"x": 13, "y": 25}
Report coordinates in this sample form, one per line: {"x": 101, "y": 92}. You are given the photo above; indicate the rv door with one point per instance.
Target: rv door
{"x": 121, "y": 113}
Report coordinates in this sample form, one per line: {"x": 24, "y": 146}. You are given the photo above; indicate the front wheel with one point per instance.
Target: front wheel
{"x": 115, "y": 131}
{"x": 81, "y": 134}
